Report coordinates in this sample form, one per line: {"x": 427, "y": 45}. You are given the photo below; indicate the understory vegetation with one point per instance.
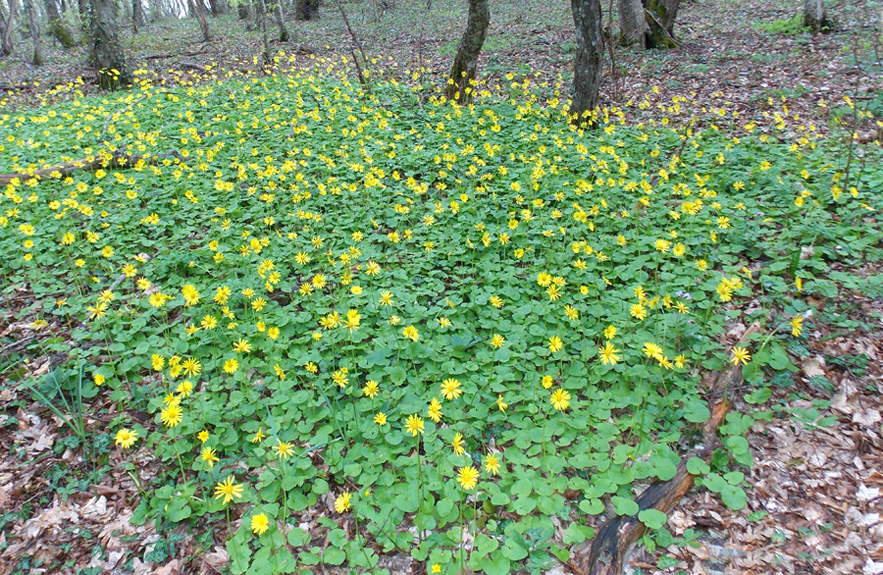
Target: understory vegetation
{"x": 454, "y": 330}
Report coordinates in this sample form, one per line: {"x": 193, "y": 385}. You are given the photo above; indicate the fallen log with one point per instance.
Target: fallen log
{"x": 607, "y": 552}
{"x": 115, "y": 161}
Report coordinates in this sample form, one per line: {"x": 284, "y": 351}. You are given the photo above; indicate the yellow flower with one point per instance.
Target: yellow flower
{"x": 242, "y": 346}
{"x": 497, "y": 341}
{"x": 385, "y": 298}
{"x": 502, "y": 405}
{"x": 555, "y": 344}
{"x": 371, "y": 389}
{"x": 98, "y": 379}
{"x": 259, "y": 436}
{"x": 126, "y": 438}
{"x": 796, "y": 325}
{"x": 260, "y": 524}
{"x": 467, "y": 477}
{"x": 343, "y": 502}
{"x": 171, "y": 415}
{"x": 411, "y": 333}
{"x": 203, "y": 436}
{"x": 610, "y": 332}
{"x": 209, "y": 456}
{"x": 414, "y": 425}
{"x": 450, "y": 389}
{"x": 227, "y": 490}
{"x": 435, "y": 410}
{"x": 560, "y": 399}
{"x": 457, "y": 444}
{"x": 283, "y": 450}
{"x": 191, "y": 367}
{"x": 492, "y": 464}
{"x": 231, "y": 365}
{"x": 740, "y": 354}
{"x": 608, "y": 354}
{"x": 380, "y": 418}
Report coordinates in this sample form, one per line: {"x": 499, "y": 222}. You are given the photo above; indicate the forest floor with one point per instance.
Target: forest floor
{"x": 815, "y": 500}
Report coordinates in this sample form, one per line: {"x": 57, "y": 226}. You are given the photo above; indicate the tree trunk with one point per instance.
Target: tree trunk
{"x": 587, "y": 64}
{"x": 199, "y": 11}
{"x": 280, "y": 21}
{"x": 137, "y": 15}
{"x": 261, "y": 13}
{"x": 35, "y": 32}
{"x": 814, "y": 16}
{"x": 56, "y": 28}
{"x": 307, "y": 10}
{"x": 632, "y": 23}
{"x": 105, "y": 51}
{"x": 6, "y": 40}
{"x": 466, "y": 62}
{"x": 661, "y": 16}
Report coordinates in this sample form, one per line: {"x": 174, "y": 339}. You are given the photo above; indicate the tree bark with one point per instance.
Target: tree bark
{"x": 261, "y": 13}
{"x": 105, "y": 51}
{"x": 661, "y": 16}
{"x": 466, "y": 61}
{"x": 280, "y": 21}
{"x": 587, "y": 64}
{"x": 35, "y": 32}
{"x": 242, "y": 10}
{"x": 6, "y": 46}
{"x": 56, "y": 28}
{"x": 632, "y": 23}
{"x": 199, "y": 11}
{"x": 137, "y": 15}
{"x": 814, "y": 16}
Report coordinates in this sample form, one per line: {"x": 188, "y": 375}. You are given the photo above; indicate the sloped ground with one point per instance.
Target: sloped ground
{"x": 816, "y": 499}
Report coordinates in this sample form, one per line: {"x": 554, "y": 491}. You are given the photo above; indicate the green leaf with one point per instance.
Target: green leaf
{"x": 697, "y": 466}
{"x": 624, "y": 506}
{"x": 652, "y": 518}
{"x": 733, "y": 497}
{"x": 695, "y": 411}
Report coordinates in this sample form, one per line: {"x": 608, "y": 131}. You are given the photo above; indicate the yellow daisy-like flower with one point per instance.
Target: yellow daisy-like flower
{"x": 171, "y": 415}
{"x": 260, "y": 524}
{"x": 343, "y": 502}
{"x": 435, "y": 410}
{"x": 608, "y": 354}
{"x": 555, "y": 344}
{"x": 380, "y": 418}
{"x": 796, "y": 325}
{"x": 259, "y": 436}
{"x": 126, "y": 438}
{"x": 411, "y": 333}
{"x": 203, "y": 436}
{"x": 560, "y": 399}
{"x": 450, "y": 389}
{"x": 458, "y": 444}
{"x": 227, "y": 490}
{"x": 492, "y": 464}
{"x": 467, "y": 477}
{"x": 283, "y": 450}
{"x": 414, "y": 425}
{"x": 740, "y": 354}
{"x": 209, "y": 456}
{"x": 231, "y": 365}
{"x": 371, "y": 389}
{"x": 497, "y": 341}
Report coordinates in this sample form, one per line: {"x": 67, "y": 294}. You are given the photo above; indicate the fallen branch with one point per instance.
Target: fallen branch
{"x": 608, "y": 551}
{"x": 117, "y": 160}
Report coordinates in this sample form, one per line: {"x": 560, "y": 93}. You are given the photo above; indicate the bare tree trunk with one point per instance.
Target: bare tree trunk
{"x": 814, "y": 16}
{"x": 199, "y": 11}
{"x": 587, "y": 64}
{"x": 632, "y": 24}
{"x": 35, "y": 32}
{"x": 105, "y": 51}
{"x": 137, "y": 15}
{"x": 466, "y": 62}
{"x": 6, "y": 47}
{"x": 661, "y": 16}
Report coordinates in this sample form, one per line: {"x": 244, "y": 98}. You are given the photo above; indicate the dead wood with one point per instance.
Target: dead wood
{"x": 608, "y": 551}
{"x": 116, "y": 161}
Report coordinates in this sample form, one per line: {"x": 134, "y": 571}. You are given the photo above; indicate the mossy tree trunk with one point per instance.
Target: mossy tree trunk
{"x": 105, "y": 51}
{"x": 661, "y": 16}
{"x": 56, "y": 28}
{"x": 632, "y": 23}
{"x": 260, "y": 9}
{"x": 814, "y": 16}
{"x": 34, "y": 29}
{"x": 243, "y": 10}
{"x": 280, "y": 21}
{"x": 137, "y": 15}
{"x": 462, "y": 78}
{"x": 587, "y": 64}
